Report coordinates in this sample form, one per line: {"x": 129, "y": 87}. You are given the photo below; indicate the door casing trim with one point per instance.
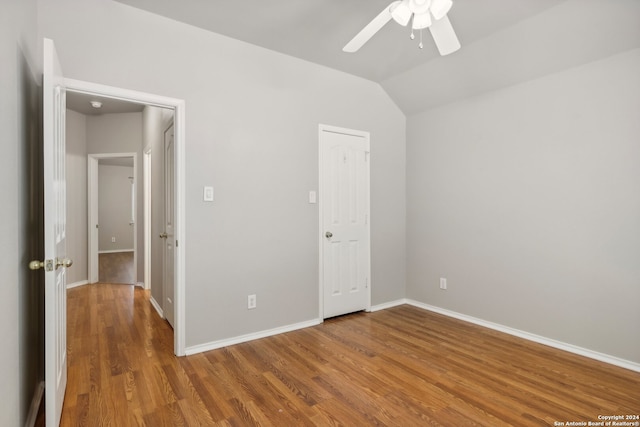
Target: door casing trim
{"x": 321, "y": 227}
{"x": 93, "y": 161}
{"x": 178, "y": 106}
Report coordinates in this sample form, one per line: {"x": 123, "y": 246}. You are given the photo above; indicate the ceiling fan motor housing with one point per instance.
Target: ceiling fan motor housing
{"x": 419, "y": 6}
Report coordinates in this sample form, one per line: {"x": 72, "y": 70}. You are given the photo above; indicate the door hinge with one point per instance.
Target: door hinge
{"x": 176, "y": 243}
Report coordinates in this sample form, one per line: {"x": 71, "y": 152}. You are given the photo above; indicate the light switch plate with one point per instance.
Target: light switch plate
{"x": 208, "y": 194}
{"x": 313, "y": 197}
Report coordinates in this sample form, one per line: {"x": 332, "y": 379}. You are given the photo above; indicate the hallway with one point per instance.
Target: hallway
{"x": 120, "y": 353}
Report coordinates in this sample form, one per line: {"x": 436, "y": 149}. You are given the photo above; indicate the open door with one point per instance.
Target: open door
{"x": 169, "y": 233}
{"x": 55, "y": 262}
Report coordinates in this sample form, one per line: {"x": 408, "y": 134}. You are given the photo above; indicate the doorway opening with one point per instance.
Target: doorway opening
{"x": 141, "y": 193}
{"x": 112, "y": 218}
{"x": 345, "y": 242}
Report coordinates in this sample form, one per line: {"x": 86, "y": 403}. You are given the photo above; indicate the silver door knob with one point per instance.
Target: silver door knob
{"x": 164, "y": 236}
{"x": 328, "y": 234}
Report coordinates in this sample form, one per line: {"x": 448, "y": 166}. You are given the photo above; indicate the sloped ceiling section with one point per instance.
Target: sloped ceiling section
{"x": 317, "y": 30}
{"x": 503, "y": 42}
{"x": 573, "y": 33}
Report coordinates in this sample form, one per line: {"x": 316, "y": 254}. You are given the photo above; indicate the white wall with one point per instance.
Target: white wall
{"x": 114, "y": 208}
{"x": 77, "y": 247}
{"x": 21, "y": 302}
{"x": 252, "y": 120}
{"x": 526, "y": 199}
{"x": 9, "y": 177}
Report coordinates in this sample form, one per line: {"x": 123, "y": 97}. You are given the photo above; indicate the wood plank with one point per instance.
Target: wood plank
{"x": 401, "y": 366}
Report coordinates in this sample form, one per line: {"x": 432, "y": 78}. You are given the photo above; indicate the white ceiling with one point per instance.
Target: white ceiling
{"x": 81, "y": 103}
{"x": 317, "y": 30}
{"x": 504, "y": 42}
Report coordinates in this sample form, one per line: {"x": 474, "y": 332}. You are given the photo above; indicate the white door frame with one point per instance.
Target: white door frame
{"x": 165, "y": 306}
{"x": 93, "y": 197}
{"x": 178, "y": 106}
{"x": 146, "y": 182}
{"x": 321, "y": 226}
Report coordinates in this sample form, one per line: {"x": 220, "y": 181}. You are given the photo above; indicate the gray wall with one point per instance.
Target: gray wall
{"x": 526, "y": 199}
{"x": 77, "y": 247}
{"x": 21, "y": 295}
{"x": 114, "y": 208}
{"x": 252, "y": 132}
{"x": 120, "y": 133}
{"x": 519, "y": 52}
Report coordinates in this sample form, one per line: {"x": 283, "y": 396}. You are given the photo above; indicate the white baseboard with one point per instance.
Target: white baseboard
{"x": 250, "y": 337}
{"x": 613, "y": 360}
{"x": 38, "y": 394}
{"x": 76, "y": 284}
{"x": 155, "y": 305}
{"x": 140, "y": 285}
{"x": 389, "y": 304}
{"x": 115, "y": 251}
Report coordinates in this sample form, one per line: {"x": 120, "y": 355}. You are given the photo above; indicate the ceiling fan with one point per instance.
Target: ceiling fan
{"x": 430, "y": 14}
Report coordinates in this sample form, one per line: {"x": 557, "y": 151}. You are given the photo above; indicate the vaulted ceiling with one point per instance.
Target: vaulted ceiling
{"x": 503, "y": 42}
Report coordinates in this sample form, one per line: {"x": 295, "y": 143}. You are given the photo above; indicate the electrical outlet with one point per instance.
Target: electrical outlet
{"x": 251, "y": 301}
{"x": 443, "y": 283}
{"x": 113, "y": 240}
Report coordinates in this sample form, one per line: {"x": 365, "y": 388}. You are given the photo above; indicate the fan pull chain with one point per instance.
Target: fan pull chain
{"x": 412, "y": 36}
{"x": 420, "y": 45}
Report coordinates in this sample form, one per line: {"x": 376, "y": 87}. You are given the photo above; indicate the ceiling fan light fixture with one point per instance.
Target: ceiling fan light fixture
{"x": 419, "y": 6}
{"x": 439, "y": 8}
{"x": 421, "y": 21}
{"x": 431, "y": 14}
{"x": 402, "y": 13}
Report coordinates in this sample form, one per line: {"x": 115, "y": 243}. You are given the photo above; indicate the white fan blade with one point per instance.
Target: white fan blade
{"x": 444, "y": 36}
{"x": 371, "y": 29}
{"x": 439, "y": 8}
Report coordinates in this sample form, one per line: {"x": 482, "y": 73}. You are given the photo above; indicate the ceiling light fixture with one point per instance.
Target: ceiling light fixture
{"x": 430, "y": 14}
{"x": 421, "y": 10}
{"x": 96, "y": 104}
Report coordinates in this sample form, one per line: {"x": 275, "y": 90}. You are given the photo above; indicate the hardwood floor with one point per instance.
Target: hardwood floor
{"x": 116, "y": 267}
{"x": 400, "y": 367}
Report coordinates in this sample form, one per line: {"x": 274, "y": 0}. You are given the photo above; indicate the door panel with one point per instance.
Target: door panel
{"x": 169, "y": 213}
{"x": 345, "y": 231}
{"x": 54, "y": 234}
